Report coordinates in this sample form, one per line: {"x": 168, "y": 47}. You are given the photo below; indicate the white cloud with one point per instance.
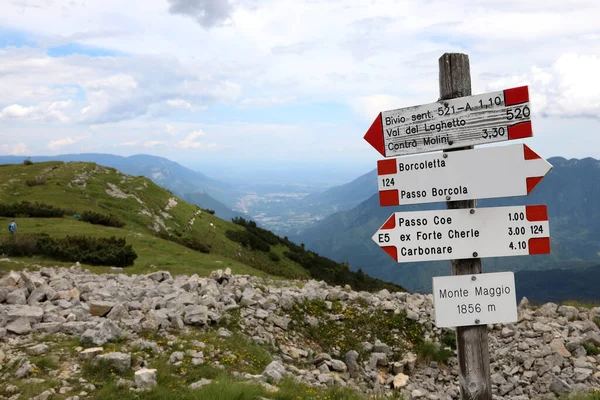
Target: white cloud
{"x": 128, "y": 144}
{"x": 364, "y": 56}
{"x": 568, "y": 88}
{"x": 368, "y": 107}
{"x": 58, "y": 143}
{"x": 190, "y": 140}
{"x": 170, "y": 129}
{"x": 15, "y": 150}
{"x": 153, "y": 143}
{"x": 103, "y": 89}
{"x": 179, "y": 103}
{"x": 266, "y": 101}
{"x": 49, "y": 112}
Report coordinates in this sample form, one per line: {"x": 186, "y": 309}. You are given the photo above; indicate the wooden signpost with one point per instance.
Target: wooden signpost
{"x": 460, "y": 175}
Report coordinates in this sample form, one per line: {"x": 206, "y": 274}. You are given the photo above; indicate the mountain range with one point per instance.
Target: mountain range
{"x": 338, "y": 222}
{"x": 571, "y": 191}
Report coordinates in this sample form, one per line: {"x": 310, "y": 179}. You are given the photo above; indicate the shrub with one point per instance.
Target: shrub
{"x": 248, "y": 239}
{"x": 448, "y": 338}
{"x": 102, "y": 219}
{"x": 590, "y": 349}
{"x": 18, "y": 246}
{"x": 85, "y": 249}
{"x": 189, "y": 242}
{"x": 263, "y": 234}
{"x": 274, "y": 257}
{"x": 194, "y": 244}
{"x": 38, "y": 180}
{"x": 429, "y": 351}
{"x": 26, "y": 209}
{"x": 27, "y": 161}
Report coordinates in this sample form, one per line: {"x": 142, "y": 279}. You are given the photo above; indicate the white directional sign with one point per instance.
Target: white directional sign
{"x": 464, "y": 121}
{"x": 465, "y": 233}
{"x": 512, "y": 170}
{"x": 480, "y": 299}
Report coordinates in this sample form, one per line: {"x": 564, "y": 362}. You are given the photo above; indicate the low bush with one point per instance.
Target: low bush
{"x": 248, "y": 240}
{"x": 27, "y": 161}
{"x": 274, "y": 257}
{"x": 448, "y": 338}
{"x": 102, "y": 219}
{"x": 590, "y": 349}
{"x": 195, "y": 244}
{"x": 429, "y": 351}
{"x": 85, "y": 249}
{"x": 26, "y": 209}
{"x": 187, "y": 241}
{"x": 38, "y": 180}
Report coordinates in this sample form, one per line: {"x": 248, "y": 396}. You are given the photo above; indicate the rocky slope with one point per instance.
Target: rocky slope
{"x": 143, "y": 327}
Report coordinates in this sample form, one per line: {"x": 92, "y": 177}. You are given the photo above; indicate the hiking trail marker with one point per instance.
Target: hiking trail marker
{"x": 479, "y": 299}
{"x": 454, "y": 123}
{"x": 465, "y": 233}
{"x": 462, "y": 233}
{"x": 512, "y": 170}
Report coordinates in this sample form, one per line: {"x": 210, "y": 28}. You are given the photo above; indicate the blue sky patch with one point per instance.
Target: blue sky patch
{"x": 75, "y": 48}
{"x": 15, "y": 38}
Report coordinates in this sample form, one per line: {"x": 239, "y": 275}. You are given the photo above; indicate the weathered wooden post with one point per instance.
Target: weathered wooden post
{"x": 471, "y": 341}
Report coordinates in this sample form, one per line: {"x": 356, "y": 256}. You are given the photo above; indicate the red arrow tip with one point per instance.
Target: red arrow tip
{"x": 392, "y": 251}
{"x": 374, "y": 135}
{"x": 530, "y": 154}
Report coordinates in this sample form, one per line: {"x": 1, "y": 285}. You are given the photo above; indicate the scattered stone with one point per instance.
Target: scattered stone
{"x": 200, "y": 383}
{"x": 558, "y": 346}
{"x": 145, "y": 378}
{"x": 543, "y": 355}
{"x": 21, "y": 326}
{"x": 275, "y": 370}
{"x": 119, "y": 361}
{"x": 100, "y": 308}
{"x": 90, "y": 353}
{"x": 37, "y": 350}
{"x": 400, "y": 381}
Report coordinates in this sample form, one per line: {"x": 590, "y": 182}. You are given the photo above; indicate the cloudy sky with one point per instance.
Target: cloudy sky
{"x": 236, "y": 83}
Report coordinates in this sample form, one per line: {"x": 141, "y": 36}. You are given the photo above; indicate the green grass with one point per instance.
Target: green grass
{"x": 429, "y": 351}
{"x": 151, "y": 249}
{"x": 80, "y": 187}
{"x": 358, "y": 325}
{"x": 592, "y": 395}
{"x": 173, "y": 381}
{"x": 580, "y": 304}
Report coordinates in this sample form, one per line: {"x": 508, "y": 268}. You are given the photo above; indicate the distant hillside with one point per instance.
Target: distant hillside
{"x": 571, "y": 191}
{"x": 166, "y": 173}
{"x": 203, "y": 200}
{"x": 164, "y": 230}
{"x": 560, "y": 285}
{"x": 343, "y": 197}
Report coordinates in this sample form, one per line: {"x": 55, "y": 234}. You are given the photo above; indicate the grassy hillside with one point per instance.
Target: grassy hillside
{"x": 163, "y": 172}
{"x": 154, "y": 221}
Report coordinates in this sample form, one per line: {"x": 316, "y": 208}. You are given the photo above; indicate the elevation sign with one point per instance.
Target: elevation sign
{"x": 465, "y": 233}
{"x": 491, "y": 172}
{"x": 478, "y": 299}
{"x": 464, "y": 121}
